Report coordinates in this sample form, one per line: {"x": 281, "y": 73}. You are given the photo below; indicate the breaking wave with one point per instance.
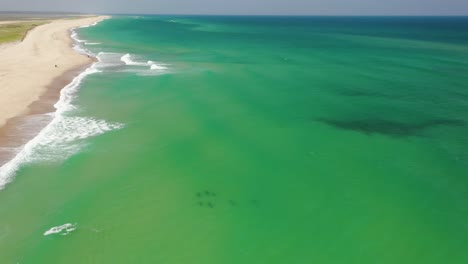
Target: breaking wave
{"x": 62, "y": 230}
{"x": 64, "y": 135}
{"x": 129, "y": 60}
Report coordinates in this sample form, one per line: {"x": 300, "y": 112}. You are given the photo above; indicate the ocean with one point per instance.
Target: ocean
{"x": 211, "y": 139}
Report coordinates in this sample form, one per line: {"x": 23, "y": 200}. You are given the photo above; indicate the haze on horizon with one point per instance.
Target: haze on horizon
{"x": 244, "y": 7}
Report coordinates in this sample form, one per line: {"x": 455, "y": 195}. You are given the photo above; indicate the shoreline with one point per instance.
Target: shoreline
{"x": 13, "y": 134}
{"x": 22, "y": 126}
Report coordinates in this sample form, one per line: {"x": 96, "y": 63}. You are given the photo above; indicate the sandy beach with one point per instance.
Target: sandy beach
{"x": 27, "y": 68}
{"x": 30, "y": 83}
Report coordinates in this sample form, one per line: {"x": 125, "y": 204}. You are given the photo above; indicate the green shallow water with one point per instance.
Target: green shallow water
{"x": 267, "y": 140}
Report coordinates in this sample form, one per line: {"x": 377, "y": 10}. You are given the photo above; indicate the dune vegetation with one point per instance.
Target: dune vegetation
{"x": 16, "y": 31}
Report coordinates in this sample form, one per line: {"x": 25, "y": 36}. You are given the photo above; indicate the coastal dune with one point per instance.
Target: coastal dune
{"x": 29, "y": 67}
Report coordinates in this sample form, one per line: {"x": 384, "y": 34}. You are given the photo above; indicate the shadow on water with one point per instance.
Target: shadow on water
{"x": 387, "y": 127}
{"x": 210, "y": 199}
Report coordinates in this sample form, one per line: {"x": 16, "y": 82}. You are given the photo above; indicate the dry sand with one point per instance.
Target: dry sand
{"x": 28, "y": 68}
{"x": 9, "y": 22}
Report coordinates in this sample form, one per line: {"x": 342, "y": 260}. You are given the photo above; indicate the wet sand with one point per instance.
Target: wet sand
{"x": 30, "y": 84}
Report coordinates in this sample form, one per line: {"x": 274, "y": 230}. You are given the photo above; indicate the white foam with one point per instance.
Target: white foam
{"x": 93, "y": 24}
{"x": 127, "y": 59}
{"x": 118, "y": 61}
{"x": 80, "y": 49}
{"x": 75, "y": 37}
{"x": 63, "y": 136}
{"x": 77, "y": 46}
{"x": 62, "y": 230}
{"x": 155, "y": 66}
{"x": 90, "y": 25}
{"x": 78, "y": 42}
{"x": 109, "y": 60}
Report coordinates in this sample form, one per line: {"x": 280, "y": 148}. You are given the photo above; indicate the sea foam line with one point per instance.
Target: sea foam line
{"x": 79, "y": 41}
{"x": 58, "y": 229}
{"x": 61, "y": 137}
{"x": 128, "y": 60}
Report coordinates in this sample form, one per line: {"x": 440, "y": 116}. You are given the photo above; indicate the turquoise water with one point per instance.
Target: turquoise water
{"x": 252, "y": 140}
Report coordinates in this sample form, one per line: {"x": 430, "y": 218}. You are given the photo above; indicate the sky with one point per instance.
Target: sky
{"x": 245, "y": 7}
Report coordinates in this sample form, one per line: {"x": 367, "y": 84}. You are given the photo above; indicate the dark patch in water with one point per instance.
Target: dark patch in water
{"x": 390, "y": 128}
{"x": 203, "y": 196}
{"x": 355, "y": 93}
{"x": 208, "y": 199}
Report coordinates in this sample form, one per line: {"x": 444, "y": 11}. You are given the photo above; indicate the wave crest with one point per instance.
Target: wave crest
{"x": 63, "y": 229}
{"x": 63, "y": 136}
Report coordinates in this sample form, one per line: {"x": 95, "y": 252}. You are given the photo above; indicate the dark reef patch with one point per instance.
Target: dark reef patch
{"x": 391, "y": 128}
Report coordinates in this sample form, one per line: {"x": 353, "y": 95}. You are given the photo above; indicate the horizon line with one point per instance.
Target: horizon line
{"x": 212, "y": 14}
